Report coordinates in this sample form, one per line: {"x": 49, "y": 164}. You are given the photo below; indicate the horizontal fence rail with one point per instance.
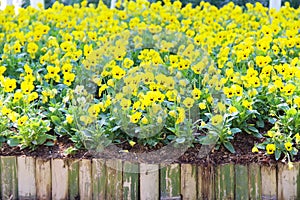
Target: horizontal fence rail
{"x": 36, "y": 178}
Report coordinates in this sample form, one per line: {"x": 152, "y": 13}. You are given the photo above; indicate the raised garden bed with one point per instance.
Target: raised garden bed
{"x": 150, "y": 101}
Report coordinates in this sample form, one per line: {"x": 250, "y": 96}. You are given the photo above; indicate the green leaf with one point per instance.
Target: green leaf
{"x": 70, "y": 150}
{"x": 261, "y": 146}
{"x": 283, "y": 106}
{"x": 260, "y": 123}
{"x": 277, "y": 154}
{"x": 115, "y": 128}
{"x": 13, "y": 142}
{"x": 171, "y": 129}
{"x": 180, "y": 140}
{"x": 171, "y": 137}
{"x": 235, "y": 130}
{"x": 56, "y": 120}
{"x": 249, "y": 112}
{"x": 229, "y": 146}
{"x": 272, "y": 120}
{"x": 40, "y": 140}
{"x": 50, "y": 137}
{"x": 49, "y": 143}
{"x": 2, "y": 139}
{"x": 208, "y": 140}
{"x": 253, "y": 129}
{"x": 258, "y": 135}
{"x": 217, "y": 147}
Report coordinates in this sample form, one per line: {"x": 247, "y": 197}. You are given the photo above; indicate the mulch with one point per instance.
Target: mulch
{"x": 197, "y": 154}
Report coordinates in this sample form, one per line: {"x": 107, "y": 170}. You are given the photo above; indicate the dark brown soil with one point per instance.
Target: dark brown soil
{"x": 242, "y": 143}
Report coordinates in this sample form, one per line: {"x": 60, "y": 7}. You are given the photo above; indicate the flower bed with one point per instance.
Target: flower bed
{"x": 151, "y": 74}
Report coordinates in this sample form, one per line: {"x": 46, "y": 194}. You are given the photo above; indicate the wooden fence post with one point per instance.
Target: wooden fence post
{"x": 113, "y": 4}
{"x": 59, "y": 179}
{"x": 26, "y": 177}
{"x": 149, "y": 182}
{"x": 130, "y": 181}
{"x": 73, "y": 178}
{"x": 98, "y": 179}
{"x": 114, "y": 179}
{"x": 254, "y": 179}
{"x": 188, "y": 181}
{"x": 241, "y": 182}
{"x": 85, "y": 179}
{"x": 288, "y": 182}
{"x": 224, "y": 186}
{"x": 275, "y": 4}
{"x": 206, "y": 182}
{"x": 9, "y": 179}
{"x": 170, "y": 181}
{"x": 269, "y": 182}
{"x": 43, "y": 179}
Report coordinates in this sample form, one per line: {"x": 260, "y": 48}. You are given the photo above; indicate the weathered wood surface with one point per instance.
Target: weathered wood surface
{"x": 114, "y": 180}
{"x": 241, "y": 182}
{"x": 224, "y": 185}
{"x": 98, "y": 179}
{"x": 26, "y": 177}
{"x": 130, "y": 181}
{"x": 43, "y": 179}
{"x": 9, "y": 182}
{"x": 288, "y": 182}
{"x": 85, "y": 179}
{"x": 254, "y": 179}
{"x": 149, "y": 182}
{"x": 206, "y": 182}
{"x": 170, "y": 180}
{"x": 269, "y": 182}
{"x": 188, "y": 182}
{"x": 31, "y": 178}
{"x": 73, "y": 178}
{"x": 275, "y": 4}
{"x": 59, "y": 179}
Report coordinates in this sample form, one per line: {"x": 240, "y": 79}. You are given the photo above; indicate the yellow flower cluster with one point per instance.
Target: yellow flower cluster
{"x": 154, "y": 64}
